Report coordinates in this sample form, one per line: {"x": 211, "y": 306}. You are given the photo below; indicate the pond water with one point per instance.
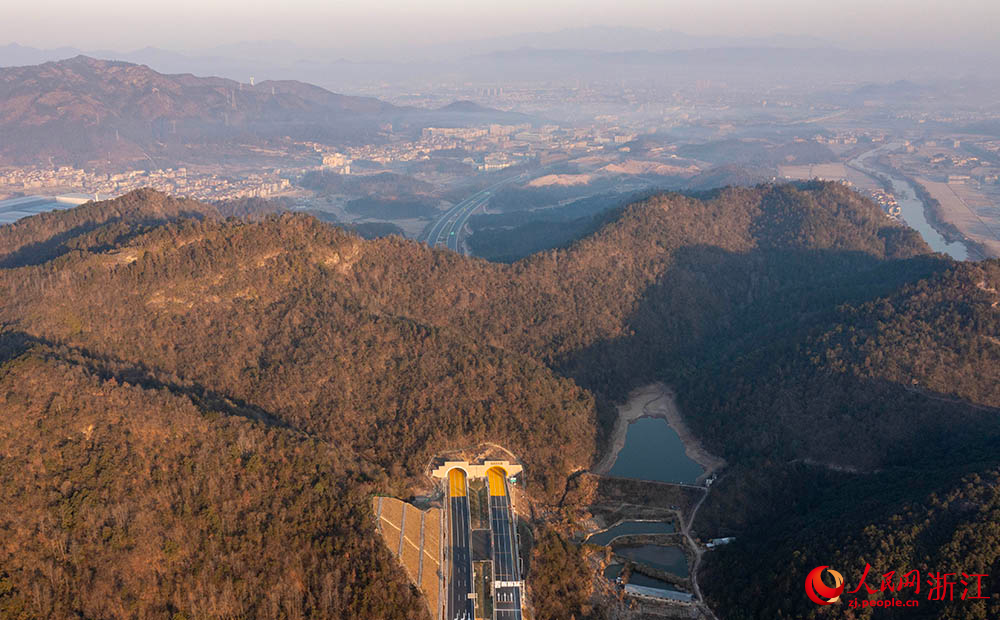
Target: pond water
{"x": 626, "y": 528}
{"x": 653, "y": 451}
{"x": 612, "y": 571}
{"x": 666, "y": 558}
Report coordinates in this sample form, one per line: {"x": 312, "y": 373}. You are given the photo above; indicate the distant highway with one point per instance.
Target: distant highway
{"x": 447, "y": 229}
{"x": 460, "y": 606}
{"x": 506, "y": 567}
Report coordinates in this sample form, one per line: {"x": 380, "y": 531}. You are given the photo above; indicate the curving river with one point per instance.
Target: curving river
{"x": 911, "y": 206}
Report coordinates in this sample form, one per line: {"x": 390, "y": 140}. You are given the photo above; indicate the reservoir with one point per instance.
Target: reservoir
{"x": 627, "y": 528}
{"x": 670, "y": 559}
{"x": 912, "y": 207}
{"x": 653, "y": 451}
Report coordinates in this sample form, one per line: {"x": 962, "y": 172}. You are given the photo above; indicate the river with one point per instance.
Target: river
{"x": 911, "y": 206}
{"x": 16, "y": 208}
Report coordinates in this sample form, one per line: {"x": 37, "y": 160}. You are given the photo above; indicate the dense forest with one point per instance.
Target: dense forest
{"x": 251, "y": 381}
{"x": 47, "y": 235}
{"x": 128, "y": 501}
{"x": 513, "y": 235}
{"x": 932, "y": 519}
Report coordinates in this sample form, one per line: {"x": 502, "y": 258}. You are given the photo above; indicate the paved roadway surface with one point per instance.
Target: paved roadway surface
{"x": 460, "y": 606}
{"x": 506, "y": 570}
{"x": 447, "y": 230}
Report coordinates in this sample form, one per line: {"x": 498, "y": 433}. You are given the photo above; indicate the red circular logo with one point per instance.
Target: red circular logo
{"x": 820, "y": 593}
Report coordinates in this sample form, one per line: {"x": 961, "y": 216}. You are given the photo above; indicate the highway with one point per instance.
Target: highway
{"x": 506, "y": 567}
{"x": 460, "y": 606}
{"x": 447, "y": 229}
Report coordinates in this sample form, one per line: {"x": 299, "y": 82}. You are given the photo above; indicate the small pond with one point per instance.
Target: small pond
{"x": 626, "y": 528}
{"x": 612, "y": 571}
{"x": 666, "y": 558}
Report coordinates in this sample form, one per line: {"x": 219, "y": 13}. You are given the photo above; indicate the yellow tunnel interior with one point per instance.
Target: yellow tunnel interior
{"x": 496, "y": 477}
{"x": 456, "y": 483}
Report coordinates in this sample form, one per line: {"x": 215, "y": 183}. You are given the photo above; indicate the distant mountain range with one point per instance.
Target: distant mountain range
{"x": 357, "y": 70}
{"x": 80, "y": 109}
{"x": 619, "y": 39}
{"x": 597, "y": 38}
{"x": 801, "y": 68}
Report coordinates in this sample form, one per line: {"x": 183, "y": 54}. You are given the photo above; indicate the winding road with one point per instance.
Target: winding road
{"x": 697, "y": 551}
{"x": 448, "y": 229}
{"x": 653, "y": 398}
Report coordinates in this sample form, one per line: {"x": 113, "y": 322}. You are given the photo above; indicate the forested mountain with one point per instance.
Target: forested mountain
{"x": 896, "y": 466}
{"x": 935, "y": 519}
{"x": 82, "y": 109}
{"x": 37, "y": 239}
{"x": 786, "y": 316}
{"x": 878, "y": 380}
{"x": 123, "y": 500}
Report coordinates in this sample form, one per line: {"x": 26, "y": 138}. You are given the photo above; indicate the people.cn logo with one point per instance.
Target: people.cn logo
{"x": 820, "y": 593}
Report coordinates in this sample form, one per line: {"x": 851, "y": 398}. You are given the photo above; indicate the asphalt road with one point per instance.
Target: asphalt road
{"x": 506, "y": 570}
{"x": 457, "y": 227}
{"x": 447, "y": 229}
{"x": 460, "y": 606}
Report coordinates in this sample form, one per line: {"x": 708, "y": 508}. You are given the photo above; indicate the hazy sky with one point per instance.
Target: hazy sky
{"x": 366, "y": 24}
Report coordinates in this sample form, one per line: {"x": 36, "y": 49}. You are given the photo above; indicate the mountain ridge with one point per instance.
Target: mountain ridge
{"x": 81, "y": 110}
{"x": 766, "y": 308}
{"x": 117, "y": 107}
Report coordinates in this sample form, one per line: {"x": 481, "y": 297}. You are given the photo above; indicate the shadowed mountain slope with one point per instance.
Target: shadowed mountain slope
{"x": 775, "y": 311}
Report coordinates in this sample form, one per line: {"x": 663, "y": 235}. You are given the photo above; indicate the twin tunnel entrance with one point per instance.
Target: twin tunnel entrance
{"x": 484, "y": 580}
{"x": 496, "y": 478}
